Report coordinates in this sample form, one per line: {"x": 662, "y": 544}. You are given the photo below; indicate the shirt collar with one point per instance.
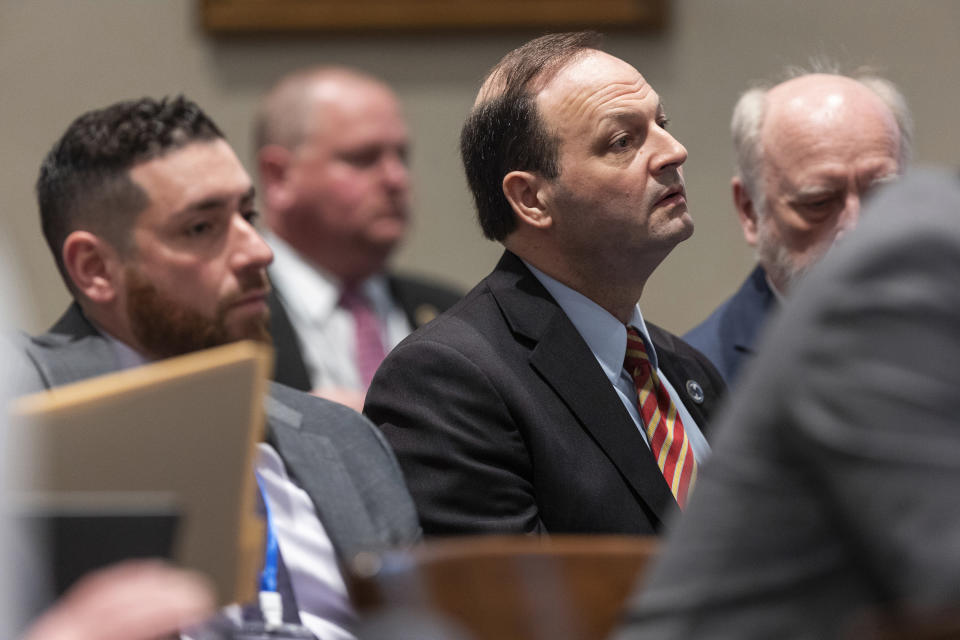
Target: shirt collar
{"x": 604, "y": 334}
{"x": 313, "y": 292}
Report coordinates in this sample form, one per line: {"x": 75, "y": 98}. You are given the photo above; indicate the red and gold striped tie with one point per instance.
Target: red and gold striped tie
{"x": 665, "y": 432}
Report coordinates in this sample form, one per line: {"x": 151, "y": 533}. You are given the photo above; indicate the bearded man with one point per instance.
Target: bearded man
{"x": 149, "y": 215}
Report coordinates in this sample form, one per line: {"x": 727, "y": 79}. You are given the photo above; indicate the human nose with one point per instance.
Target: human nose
{"x": 250, "y": 250}
{"x": 396, "y": 174}
{"x": 850, "y": 215}
{"x": 670, "y": 153}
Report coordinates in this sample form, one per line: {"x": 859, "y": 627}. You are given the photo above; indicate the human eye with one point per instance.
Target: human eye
{"x": 621, "y": 142}
{"x": 363, "y": 158}
{"x": 663, "y": 122}
{"x": 819, "y": 203}
{"x": 821, "y": 207}
{"x": 251, "y": 216}
{"x": 198, "y": 228}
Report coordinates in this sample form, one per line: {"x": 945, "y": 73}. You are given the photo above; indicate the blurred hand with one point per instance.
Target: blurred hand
{"x": 135, "y": 600}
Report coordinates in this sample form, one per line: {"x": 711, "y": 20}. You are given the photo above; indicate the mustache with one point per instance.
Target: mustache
{"x": 254, "y": 282}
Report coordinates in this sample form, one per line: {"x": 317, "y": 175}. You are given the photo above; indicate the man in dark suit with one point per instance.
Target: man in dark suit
{"x": 514, "y": 411}
{"x": 149, "y": 216}
{"x": 332, "y": 161}
{"x": 808, "y": 150}
{"x": 830, "y": 494}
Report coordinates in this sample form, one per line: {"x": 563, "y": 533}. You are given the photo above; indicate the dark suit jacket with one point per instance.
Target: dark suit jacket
{"x": 333, "y": 453}
{"x": 503, "y": 420}
{"x": 420, "y": 300}
{"x": 728, "y": 335}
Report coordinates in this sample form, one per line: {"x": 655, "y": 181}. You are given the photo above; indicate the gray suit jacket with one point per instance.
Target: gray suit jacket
{"x": 332, "y": 452}
{"x": 832, "y": 486}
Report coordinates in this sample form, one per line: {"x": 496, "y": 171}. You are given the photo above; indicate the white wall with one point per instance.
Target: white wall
{"x": 61, "y": 57}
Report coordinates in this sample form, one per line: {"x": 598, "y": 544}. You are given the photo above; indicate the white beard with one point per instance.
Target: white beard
{"x": 783, "y": 268}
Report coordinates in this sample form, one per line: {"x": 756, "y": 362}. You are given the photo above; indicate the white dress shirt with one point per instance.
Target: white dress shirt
{"x": 607, "y": 339}
{"x": 326, "y": 331}
{"x": 307, "y": 552}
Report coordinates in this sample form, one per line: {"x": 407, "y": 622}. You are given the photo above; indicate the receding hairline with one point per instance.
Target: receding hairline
{"x": 536, "y": 83}
{"x": 214, "y": 202}
{"x": 286, "y": 112}
{"x": 220, "y": 197}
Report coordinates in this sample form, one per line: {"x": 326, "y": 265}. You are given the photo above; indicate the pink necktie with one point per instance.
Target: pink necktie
{"x": 369, "y": 344}
{"x": 668, "y": 439}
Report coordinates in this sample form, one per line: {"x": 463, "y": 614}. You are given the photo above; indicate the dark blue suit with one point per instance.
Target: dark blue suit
{"x": 728, "y": 335}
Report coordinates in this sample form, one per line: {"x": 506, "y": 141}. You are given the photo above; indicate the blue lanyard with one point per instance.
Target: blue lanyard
{"x": 268, "y": 577}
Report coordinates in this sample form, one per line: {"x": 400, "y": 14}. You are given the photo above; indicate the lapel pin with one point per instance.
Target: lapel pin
{"x": 695, "y": 391}
{"x": 424, "y": 313}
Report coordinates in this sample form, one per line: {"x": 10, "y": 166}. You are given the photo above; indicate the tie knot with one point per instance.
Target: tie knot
{"x": 636, "y": 359}
{"x": 351, "y": 298}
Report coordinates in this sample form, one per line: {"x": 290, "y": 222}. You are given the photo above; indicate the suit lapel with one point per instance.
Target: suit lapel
{"x": 752, "y": 306}
{"x": 289, "y": 368}
{"x": 420, "y": 302}
{"x": 679, "y": 370}
{"x": 77, "y": 350}
{"x": 566, "y": 363}
{"x": 401, "y": 296}
{"x": 313, "y": 460}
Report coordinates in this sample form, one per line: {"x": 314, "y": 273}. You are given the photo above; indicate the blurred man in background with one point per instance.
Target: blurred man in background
{"x": 332, "y": 154}
{"x": 808, "y": 151}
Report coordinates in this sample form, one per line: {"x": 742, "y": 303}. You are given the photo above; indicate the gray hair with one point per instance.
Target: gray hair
{"x": 750, "y": 110}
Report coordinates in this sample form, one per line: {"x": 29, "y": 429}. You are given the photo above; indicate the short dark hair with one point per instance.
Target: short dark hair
{"x": 85, "y": 179}
{"x": 505, "y": 132}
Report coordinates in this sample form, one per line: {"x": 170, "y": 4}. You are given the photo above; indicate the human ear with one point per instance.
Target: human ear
{"x": 273, "y": 164}
{"x": 91, "y": 264}
{"x": 523, "y": 191}
{"x": 746, "y": 210}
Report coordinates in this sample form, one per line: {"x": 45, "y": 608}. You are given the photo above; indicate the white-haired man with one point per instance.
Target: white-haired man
{"x": 808, "y": 151}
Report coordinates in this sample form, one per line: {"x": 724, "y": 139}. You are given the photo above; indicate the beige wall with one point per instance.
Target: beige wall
{"x": 61, "y": 57}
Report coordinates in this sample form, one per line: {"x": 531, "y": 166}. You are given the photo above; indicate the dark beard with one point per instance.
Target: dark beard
{"x": 165, "y": 328}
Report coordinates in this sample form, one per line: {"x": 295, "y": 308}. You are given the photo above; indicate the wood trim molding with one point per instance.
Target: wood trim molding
{"x": 259, "y": 16}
